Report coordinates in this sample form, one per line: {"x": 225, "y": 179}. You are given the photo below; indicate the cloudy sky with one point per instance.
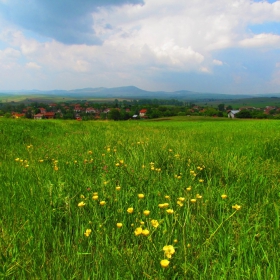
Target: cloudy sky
{"x": 222, "y": 46}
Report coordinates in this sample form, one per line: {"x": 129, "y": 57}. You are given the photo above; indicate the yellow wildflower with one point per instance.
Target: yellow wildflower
{"x": 236, "y": 207}
{"x": 224, "y": 196}
{"x": 102, "y": 203}
{"x": 130, "y": 210}
{"x": 189, "y": 188}
{"x": 180, "y": 203}
{"x": 155, "y": 223}
{"x": 198, "y": 196}
{"x": 55, "y": 168}
{"x": 175, "y": 240}
{"x": 164, "y": 263}
{"x": 200, "y": 180}
{"x": 168, "y": 251}
{"x": 118, "y": 188}
{"x": 87, "y": 233}
{"x": 81, "y": 204}
{"x": 193, "y": 200}
{"x": 17, "y": 159}
{"x": 163, "y": 205}
{"x": 119, "y": 225}
{"x": 95, "y": 197}
{"x": 181, "y": 199}
{"x": 145, "y": 232}
{"x": 170, "y": 211}
{"x": 167, "y": 197}
{"x": 140, "y": 195}
{"x": 138, "y": 231}
{"x": 146, "y": 212}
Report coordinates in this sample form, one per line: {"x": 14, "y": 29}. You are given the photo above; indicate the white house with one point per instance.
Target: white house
{"x": 231, "y": 114}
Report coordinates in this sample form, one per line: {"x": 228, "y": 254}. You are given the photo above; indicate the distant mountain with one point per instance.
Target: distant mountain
{"x": 132, "y": 92}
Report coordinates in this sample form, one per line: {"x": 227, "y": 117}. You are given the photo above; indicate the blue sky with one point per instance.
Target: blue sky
{"x": 218, "y": 46}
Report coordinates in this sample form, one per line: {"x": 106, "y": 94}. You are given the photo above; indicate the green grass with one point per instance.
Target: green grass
{"x": 258, "y": 102}
{"x": 48, "y": 167}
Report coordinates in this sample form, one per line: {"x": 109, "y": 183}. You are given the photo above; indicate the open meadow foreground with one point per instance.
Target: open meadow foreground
{"x": 179, "y": 199}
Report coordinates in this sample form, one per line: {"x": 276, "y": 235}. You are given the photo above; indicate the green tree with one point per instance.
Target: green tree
{"x": 114, "y": 114}
{"x": 221, "y": 107}
{"x": 244, "y": 114}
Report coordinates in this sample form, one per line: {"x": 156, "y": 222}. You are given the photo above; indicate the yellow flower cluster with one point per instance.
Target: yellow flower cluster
{"x": 169, "y": 250}
{"x": 236, "y": 207}
{"x": 139, "y": 231}
{"x": 87, "y": 233}
{"x": 163, "y": 205}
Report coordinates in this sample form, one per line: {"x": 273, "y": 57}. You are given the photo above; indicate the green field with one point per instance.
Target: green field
{"x": 257, "y": 102}
{"x": 101, "y": 200}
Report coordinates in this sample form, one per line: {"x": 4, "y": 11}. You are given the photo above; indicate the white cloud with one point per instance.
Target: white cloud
{"x": 217, "y": 62}
{"x": 32, "y": 65}
{"x": 205, "y": 70}
{"x": 143, "y": 40}
{"x": 259, "y": 12}
{"x": 9, "y": 54}
{"x": 261, "y": 40}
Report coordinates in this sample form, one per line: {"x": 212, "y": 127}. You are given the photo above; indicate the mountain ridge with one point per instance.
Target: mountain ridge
{"x": 133, "y": 92}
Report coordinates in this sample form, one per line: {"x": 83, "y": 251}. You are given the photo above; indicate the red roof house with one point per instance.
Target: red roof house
{"x": 142, "y": 113}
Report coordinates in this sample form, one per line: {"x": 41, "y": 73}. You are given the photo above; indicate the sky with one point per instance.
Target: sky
{"x": 217, "y": 46}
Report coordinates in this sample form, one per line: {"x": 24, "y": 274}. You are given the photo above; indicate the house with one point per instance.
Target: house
{"x": 49, "y": 115}
{"x": 38, "y": 116}
{"x": 17, "y": 115}
{"x": 77, "y": 108}
{"x": 142, "y": 113}
{"x": 42, "y": 110}
{"x": 268, "y": 109}
{"x": 231, "y": 113}
{"x": 90, "y": 110}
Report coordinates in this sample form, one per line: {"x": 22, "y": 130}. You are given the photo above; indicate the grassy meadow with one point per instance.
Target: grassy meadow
{"x": 178, "y": 199}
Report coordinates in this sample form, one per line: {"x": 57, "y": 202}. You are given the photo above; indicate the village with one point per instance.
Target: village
{"x": 120, "y": 110}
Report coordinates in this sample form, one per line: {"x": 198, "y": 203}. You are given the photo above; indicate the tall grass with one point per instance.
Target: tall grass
{"x": 55, "y": 176}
